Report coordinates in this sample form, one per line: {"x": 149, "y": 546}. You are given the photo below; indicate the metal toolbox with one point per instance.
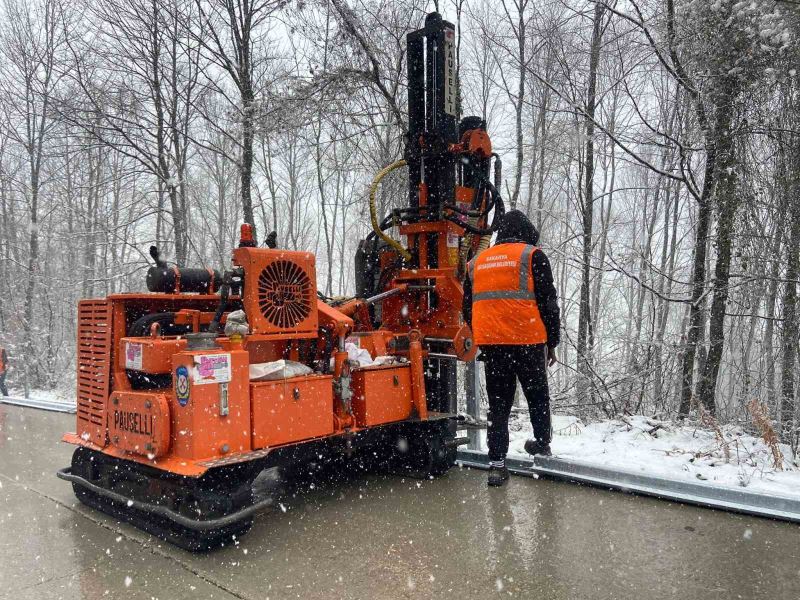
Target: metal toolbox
{"x": 291, "y": 410}
{"x": 381, "y": 394}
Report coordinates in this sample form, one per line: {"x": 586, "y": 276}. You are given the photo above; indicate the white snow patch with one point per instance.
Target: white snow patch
{"x": 686, "y": 452}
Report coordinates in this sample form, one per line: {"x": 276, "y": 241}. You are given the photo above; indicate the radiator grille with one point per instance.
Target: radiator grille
{"x": 94, "y": 368}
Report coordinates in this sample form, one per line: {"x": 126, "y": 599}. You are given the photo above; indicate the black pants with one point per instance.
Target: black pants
{"x": 504, "y": 365}
{"x": 3, "y": 389}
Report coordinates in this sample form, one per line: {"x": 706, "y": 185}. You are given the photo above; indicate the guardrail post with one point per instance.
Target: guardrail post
{"x": 473, "y": 401}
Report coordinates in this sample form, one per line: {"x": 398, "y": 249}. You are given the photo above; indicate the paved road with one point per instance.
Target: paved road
{"x": 381, "y": 538}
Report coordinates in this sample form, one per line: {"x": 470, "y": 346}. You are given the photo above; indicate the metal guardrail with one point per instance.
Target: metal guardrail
{"x": 40, "y": 404}
{"x": 698, "y": 494}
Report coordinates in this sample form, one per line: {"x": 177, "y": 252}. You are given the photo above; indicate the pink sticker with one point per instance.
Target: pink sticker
{"x": 212, "y": 368}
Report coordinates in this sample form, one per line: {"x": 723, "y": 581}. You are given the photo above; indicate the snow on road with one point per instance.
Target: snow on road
{"x": 685, "y": 452}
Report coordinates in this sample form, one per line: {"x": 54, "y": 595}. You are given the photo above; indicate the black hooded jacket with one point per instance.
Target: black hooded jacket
{"x": 515, "y": 228}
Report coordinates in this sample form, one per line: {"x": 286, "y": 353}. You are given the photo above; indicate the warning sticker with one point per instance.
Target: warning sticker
{"x": 133, "y": 356}
{"x": 212, "y": 368}
{"x": 452, "y": 240}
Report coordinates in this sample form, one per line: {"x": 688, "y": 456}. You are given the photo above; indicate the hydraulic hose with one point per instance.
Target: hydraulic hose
{"x": 373, "y": 211}
{"x": 484, "y": 235}
{"x": 474, "y": 215}
{"x": 469, "y": 228}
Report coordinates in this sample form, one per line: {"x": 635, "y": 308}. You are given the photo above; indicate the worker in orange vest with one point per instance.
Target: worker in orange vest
{"x": 3, "y": 371}
{"x": 512, "y": 306}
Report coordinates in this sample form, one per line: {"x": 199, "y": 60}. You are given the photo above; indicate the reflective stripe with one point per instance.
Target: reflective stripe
{"x": 505, "y": 295}
{"x": 525, "y": 266}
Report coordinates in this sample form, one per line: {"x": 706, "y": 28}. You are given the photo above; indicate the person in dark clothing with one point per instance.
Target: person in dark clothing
{"x": 511, "y": 304}
{"x": 3, "y": 371}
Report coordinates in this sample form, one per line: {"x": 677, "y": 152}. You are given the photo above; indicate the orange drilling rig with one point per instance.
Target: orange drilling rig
{"x": 174, "y": 421}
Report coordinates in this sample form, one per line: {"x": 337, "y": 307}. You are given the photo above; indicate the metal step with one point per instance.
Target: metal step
{"x": 698, "y": 494}
{"x": 39, "y": 403}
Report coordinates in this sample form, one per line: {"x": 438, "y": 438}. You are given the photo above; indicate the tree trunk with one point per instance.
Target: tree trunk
{"x": 727, "y": 201}
{"x": 698, "y": 286}
{"x": 543, "y": 128}
{"x": 790, "y": 317}
{"x": 519, "y": 105}
{"x": 772, "y": 294}
{"x": 246, "y": 166}
{"x": 665, "y": 287}
{"x": 605, "y": 221}
{"x": 583, "y": 352}
{"x": 29, "y": 358}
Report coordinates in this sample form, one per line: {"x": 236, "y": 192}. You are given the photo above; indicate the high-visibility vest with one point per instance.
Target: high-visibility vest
{"x": 504, "y": 309}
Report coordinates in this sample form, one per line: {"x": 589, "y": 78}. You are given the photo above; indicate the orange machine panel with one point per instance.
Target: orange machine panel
{"x": 139, "y": 422}
{"x": 291, "y": 410}
{"x": 211, "y": 403}
{"x": 381, "y": 394}
{"x": 149, "y": 355}
{"x": 94, "y": 368}
{"x": 280, "y": 291}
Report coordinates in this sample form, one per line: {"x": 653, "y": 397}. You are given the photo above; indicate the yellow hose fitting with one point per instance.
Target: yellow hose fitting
{"x": 373, "y": 212}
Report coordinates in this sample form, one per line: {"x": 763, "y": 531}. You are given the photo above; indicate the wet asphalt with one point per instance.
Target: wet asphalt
{"x": 385, "y": 537}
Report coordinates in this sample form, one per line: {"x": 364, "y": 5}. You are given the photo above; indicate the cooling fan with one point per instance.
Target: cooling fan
{"x": 285, "y": 294}
{"x": 280, "y": 292}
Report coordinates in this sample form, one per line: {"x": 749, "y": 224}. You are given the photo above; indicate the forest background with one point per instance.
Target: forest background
{"x": 654, "y": 143}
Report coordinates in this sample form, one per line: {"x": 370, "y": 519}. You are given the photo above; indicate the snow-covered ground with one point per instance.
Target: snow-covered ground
{"x": 55, "y": 397}
{"x": 729, "y": 458}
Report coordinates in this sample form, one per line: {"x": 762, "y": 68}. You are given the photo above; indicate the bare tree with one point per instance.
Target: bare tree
{"x": 230, "y": 35}
{"x": 32, "y": 39}
{"x": 584, "y": 318}
{"x": 138, "y": 98}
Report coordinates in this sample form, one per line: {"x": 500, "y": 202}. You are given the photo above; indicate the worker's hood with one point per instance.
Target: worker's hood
{"x": 516, "y": 227}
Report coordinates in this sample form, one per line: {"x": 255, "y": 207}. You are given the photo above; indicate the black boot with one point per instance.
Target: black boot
{"x": 534, "y": 448}
{"x": 497, "y": 476}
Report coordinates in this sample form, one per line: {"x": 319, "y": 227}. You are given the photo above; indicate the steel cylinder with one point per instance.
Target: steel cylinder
{"x": 175, "y": 280}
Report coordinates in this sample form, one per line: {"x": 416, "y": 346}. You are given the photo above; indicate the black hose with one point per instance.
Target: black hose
{"x": 482, "y": 185}
{"x": 480, "y": 191}
{"x": 141, "y": 327}
{"x": 470, "y": 212}
{"x": 468, "y": 227}
{"x": 499, "y": 205}
{"x": 224, "y": 294}
{"x": 387, "y": 223}
{"x": 495, "y": 203}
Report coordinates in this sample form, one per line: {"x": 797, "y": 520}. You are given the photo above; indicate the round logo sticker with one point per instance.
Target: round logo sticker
{"x": 182, "y": 385}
